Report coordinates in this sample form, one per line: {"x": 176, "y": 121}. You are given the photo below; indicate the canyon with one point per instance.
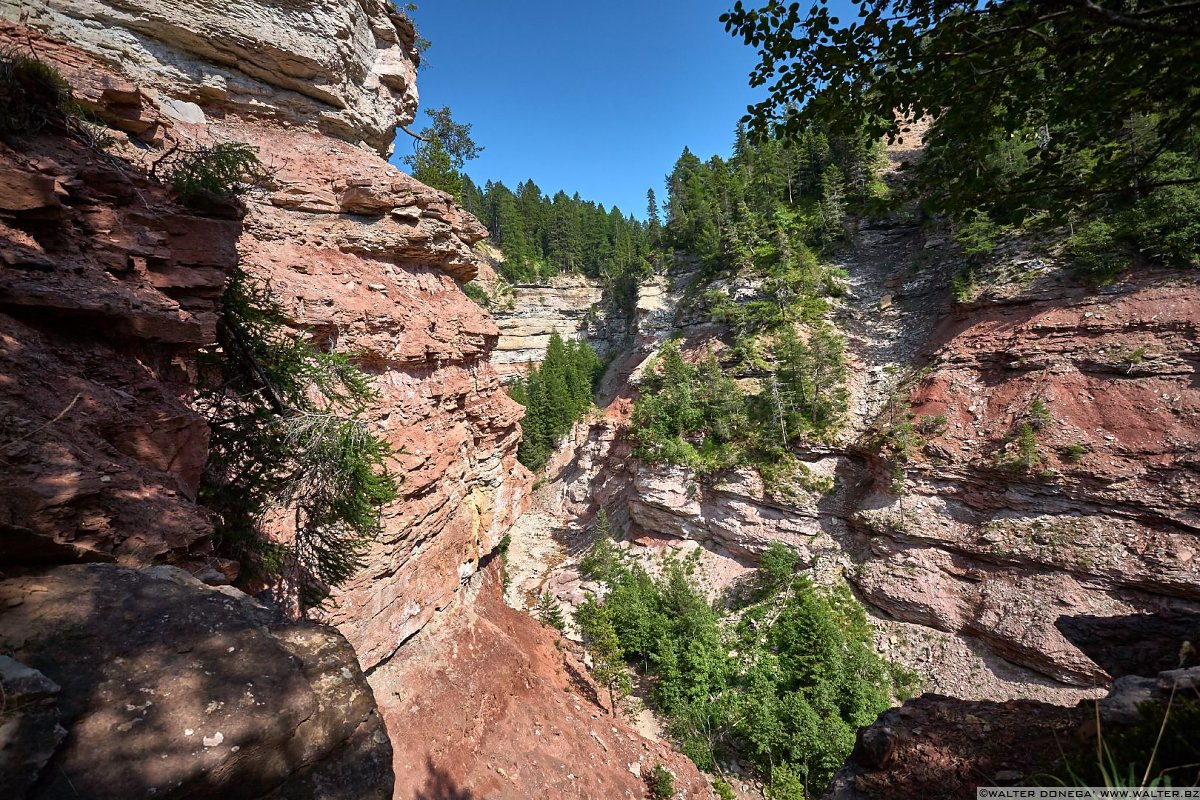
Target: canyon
{"x": 138, "y": 666}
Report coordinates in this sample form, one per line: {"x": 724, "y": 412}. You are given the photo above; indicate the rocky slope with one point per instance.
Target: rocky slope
{"x": 107, "y": 290}
{"x": 993, "y": 580}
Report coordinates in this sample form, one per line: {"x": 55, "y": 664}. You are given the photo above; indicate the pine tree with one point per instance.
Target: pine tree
{"x": 548, "y": 611}
{"x": 604, "y": 646}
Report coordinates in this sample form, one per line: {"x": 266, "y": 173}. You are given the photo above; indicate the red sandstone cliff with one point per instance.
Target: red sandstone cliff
{"x": 108, "y": 288}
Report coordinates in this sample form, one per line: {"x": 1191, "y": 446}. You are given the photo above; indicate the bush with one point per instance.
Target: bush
{"x": 977, "y": 235}
{"x": 1039, "y": 414}
{"x": 1097, "y": 252}
{"x": 478, "y": 294}
{"x": 962, "y": 285}
{"x": 1166, "y": 225}
{"x": 220, "y": 172}
{"x": 1073, "y": 453}
{"x": 33, "y": 95}
{"x": 662, "y": 783}
{"x": 786, "y": 682}
{"x": 547, "y": 610}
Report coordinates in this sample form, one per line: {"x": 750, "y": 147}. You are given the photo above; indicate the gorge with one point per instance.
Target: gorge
{"x": 1011, "y": 488}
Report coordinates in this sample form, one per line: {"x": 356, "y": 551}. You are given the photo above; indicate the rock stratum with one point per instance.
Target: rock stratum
{"x": 107, "y": 290}
{"x": 1000, "y": 582}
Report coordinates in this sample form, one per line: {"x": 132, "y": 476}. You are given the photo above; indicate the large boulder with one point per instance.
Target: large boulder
{"x": 170, "y": 688}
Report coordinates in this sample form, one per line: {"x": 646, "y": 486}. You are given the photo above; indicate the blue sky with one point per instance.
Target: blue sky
{"x": 594, "y": 97}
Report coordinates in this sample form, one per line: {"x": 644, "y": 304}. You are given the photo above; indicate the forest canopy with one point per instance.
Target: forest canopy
{"x": 1069, "y": 109}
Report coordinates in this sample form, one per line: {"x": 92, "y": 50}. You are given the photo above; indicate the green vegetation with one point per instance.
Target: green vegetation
{"x": 547, "y": 610}
{"x": 760, "y": 219}
{"x": 783, "y": 679}
{"x": 662, "y": 783}
{"x": 219, "y": 172}
{"x": 288, "y": 434}
{"x": 699, "y": 416}
{"x": 1109, "y": 143}
{"x": 555, "y": 395}
{"x": 33, "y": 95}
{"x": 477, "y": 293}
{"x": 1074, "y": 452}
{"x": 1039, "y": 414}
{"x": 445, "y": 146}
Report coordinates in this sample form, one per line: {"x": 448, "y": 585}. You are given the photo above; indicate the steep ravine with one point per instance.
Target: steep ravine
{"x": 992, "y": 582}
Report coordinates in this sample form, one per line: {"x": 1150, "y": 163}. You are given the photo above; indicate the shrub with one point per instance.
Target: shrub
{"x": 1166, "y": 225}
{"x": 1073, "y": 453}
{"x": 977, "y": 235}
{"x": 33, "y": 95}
{"x": 478, "y": 294}
{"x": 1039, "y": 414}
{"x": 220, "y": 172}
{"x": 932, "y": 425}
{"x": 548, "y": 611}
{"x": 786, "y": 681}
{"x": 1096, "y": 251}
{"x": 962, "y": 285}
{"x": 723, "y": 789}
{"x": 662, "y": 783}
{"x": 1027, "y": 456}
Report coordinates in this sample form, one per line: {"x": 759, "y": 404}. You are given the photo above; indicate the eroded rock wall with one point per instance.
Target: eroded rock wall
{"x": 994, "y": 579}
{"x": 346, "y": 68}
{"x": 364, "y": 260}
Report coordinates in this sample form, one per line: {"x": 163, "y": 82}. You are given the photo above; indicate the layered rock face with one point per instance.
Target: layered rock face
{"x": 106, "y": 292}
{"x": 123, "y": 681}
{"x": 994, "y": 578}
{"x": 346, "y": 68}
{"x": 1101, "y": 520}
{"x": 567, "y": 305}
{"x": 363, "y": 260}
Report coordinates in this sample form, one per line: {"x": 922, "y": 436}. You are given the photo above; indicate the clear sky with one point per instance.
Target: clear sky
{"x": 594, "y": 97}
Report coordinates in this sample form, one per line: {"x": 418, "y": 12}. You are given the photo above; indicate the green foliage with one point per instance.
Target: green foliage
{"x": 1039, "y": 414}
{"x": 977, "y": 236}
{"x": 784, "y": 683}
{"x": 447, "y": 146}
{"x": 33, "y": 95}
{"x": 1074, "y": 452}
{"x": 662, "y": 783}
{"x": 1007, "y": 131}
{"x": 604, "y": 561}
{"x": 548, "y": 611}
{"x": 777, "y": 567}
{"x": 1096, "y": 252}
{"x": 1026, "y": 457}
{"x": 785, "y": 784}
{"x": 963, "y": 286}
{"x": 604, "y": 646}
{"x": 723, "y": 789}
{"x": 218, "y": 172}
{"x": 542, "y": 236}
{"x": 287, "y": 433}
{"x": 478, "y": 294}
{"x": 555, "y": 395}
{"x": 697, "y": 414}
